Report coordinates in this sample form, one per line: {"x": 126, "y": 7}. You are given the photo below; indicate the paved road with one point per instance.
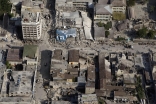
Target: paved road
{"x": 46, "y": 63}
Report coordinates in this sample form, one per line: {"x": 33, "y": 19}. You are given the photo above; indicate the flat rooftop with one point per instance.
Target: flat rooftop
{"x": 22, "y": 84}
{"x": 91, "y": 73}
{"x": 29, "y": 51}
{"x": 15, "y": 100}
{"x": 86, "y": 98}
{"x": 29, "y": 15}
{"x": 99, "y": 32}
{"x": 30, "y": 11}
{"x": 70, "y": 14}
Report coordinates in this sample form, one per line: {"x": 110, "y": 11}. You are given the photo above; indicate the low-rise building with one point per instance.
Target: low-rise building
{"x": 118, "y": 5}
{"x": 91, "y": 73}
{"x": 60, "y": 102}
{"x": 57, "y": 54}
{"x": 30, "y": 54}
{"x": 16, "y": 100}
{"x": 90, "y": 84}
{"x": 22, "y": 85}
{"x": 87, "y": 99}
{"x": 14, "y": 56}
{"x": 99, "y": 33}
{"x": 69, "y": 77}
{"x": 70, "y": 19}
{"x": 17, "y": 83}
{"x": 73, "y": 58}
{"x": 62, "y": 35}
{"x": 90, "y": 88}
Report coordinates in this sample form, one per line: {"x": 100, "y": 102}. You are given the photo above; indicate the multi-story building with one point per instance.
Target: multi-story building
{"x": 82, "y": 4}
{"x": 31, "y": 20}
{"x": 118, "y": 5}
{"x": 102, "y": 13}
{"x": 68, "y": 5}
{"x": 104, "y": 9}
{"x": 64, "y": 5}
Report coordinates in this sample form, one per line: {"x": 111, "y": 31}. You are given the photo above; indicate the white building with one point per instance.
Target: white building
{"x": 17, "y": 83}
{"x": 31, "y": 20}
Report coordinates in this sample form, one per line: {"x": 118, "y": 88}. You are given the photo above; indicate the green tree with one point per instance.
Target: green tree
{"x": 139, "y": 88}
{"x": 151, "y": 34}
{"x": 106, "y": 34}
{"x": 8, "y": 65}
{"x": 130, "y": 2}
{"x": 108, "y": 25}
{"x": 5, "y": 7}
{"x": 151, "y": 8}
{"x": 141, "y": 33}
{"x": 120, "y": 39}
{"x": 100, "y": 24}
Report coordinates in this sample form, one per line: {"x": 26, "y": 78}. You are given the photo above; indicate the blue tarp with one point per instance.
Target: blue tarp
{"x": 62, "y": 35}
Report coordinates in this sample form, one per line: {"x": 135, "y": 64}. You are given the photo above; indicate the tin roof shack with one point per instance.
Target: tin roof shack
{"x": 57, "y": 55}
{"x": 56, "y": 74}
{"x": 73, "y": 58}
{"x": 30, "y": 54}
{"x": 73, "y": 71}
{"x": 120, "y": 96}
{"x": 87, "y": 99}
{"x": 16, "y": 100}
{"x": 14, "y": 56}
{"x": 90, "y": 85}
{"x": 69, "y": 77}
{"x": 62, "y": 35}
{"x": 99, "y": 33}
